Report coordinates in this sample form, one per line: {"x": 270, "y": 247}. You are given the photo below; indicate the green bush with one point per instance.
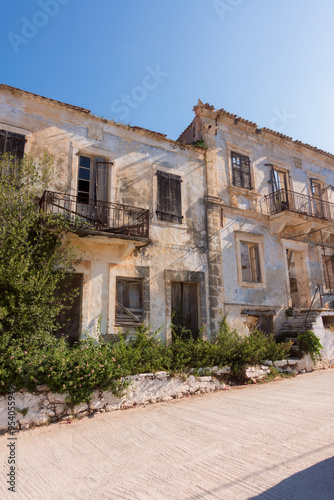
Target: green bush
{"x": 33, "y": 259}
{"x": 43, "y": 359}
{"x": 310, "y": 344}
{"x": 27, "y": 362}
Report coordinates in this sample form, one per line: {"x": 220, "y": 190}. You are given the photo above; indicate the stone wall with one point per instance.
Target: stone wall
{"x": 43, "y": 407}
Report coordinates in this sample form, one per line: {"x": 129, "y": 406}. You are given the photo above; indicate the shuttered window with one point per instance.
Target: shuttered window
{"x": 129, "y": 301}
{"x": 241, "y": 173}
{"x": 328, "y": 265}
{"x": 169, "y": 197}
{"x": 250, "y": 262}
{"x": 12, "y": 143}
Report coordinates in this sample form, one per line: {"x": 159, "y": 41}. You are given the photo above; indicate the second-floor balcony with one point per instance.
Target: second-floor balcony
{"x": 87, "y": 215}
{"x": 286, "y": 200}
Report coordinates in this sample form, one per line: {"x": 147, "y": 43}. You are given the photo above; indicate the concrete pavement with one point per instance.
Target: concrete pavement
{"x": 269, "y": 441}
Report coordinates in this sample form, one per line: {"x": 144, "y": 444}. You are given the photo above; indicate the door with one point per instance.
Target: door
{"x": 70, "y": 318}
{"x": 317, "y": 205}
{"x": 185, "y": 307}
{"x": 298, "y": 279}
{"x": 280, "y": 189}
{"x": 93, "y": 190}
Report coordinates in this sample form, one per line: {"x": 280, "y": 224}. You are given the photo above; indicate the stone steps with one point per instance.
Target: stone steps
{"x": 298, "y": 323}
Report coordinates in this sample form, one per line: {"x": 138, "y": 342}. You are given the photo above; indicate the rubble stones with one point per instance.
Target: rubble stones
{"x": 42, "y": 407}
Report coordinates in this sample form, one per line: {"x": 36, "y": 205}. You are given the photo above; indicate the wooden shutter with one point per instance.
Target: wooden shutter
{"x": 245, "y": 172}
{"x": 236, "y": 171}
{"x": 169, "y": 197}
{"x": 163, "y": 195}
{"x": 2, "y": 141}
{"x": 255, "y": 263}
{"x": 15, "y": 145}
{"x": 328, "y": 265}
{"x": 175, "y": 198}
{"x": 101, "y": 179}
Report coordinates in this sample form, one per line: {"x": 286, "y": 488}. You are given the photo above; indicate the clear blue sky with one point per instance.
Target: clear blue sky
{"x": 268, "y": 61}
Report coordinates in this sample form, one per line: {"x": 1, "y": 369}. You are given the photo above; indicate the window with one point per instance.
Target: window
{"x": 12, "y": 143}
{"x": 250, "y": 262}
{"x": 93, "y": 187}
{"x": 84, "y": 180}
{"x": 129, "y": 301}
{"x": 92, "y": 179}
{"x": 279, "y": 180}
{"x": 169, "y": 197}
{"x": 328, "y": 265}
{"x": 279, "y": 185}
{"x": 318, "y": 207}
{"x": 241, "y": 172}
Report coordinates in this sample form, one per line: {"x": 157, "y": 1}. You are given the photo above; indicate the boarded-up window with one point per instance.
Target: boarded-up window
{"x": 12, "y": 143}
{"x": 241, "y": 171}
{"x": 185, "y": 306}
{"x": 250, "y": 262}
{"x": 261, "y": 322}
{"x": 129, "y": 301}
{"x": 328, "y": 264}
{"x": 69, "y": 319}
{"x": 169, "y": 197}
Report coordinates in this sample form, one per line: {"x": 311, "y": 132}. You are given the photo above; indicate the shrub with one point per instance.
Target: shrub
{"x": 33, "y": 259}
{"x": 26, "y": 362}
{"x": 310, "y": 344}
{"x": 43, "y": 359}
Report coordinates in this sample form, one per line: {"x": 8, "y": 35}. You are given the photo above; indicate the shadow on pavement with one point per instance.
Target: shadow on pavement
{"x": 314, "y": 483}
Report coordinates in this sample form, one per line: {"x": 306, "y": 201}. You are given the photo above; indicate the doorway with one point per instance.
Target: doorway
{"x": 298, "y": 279}
{"x": 69, "y": 319}
{"x": 185, "y": 307}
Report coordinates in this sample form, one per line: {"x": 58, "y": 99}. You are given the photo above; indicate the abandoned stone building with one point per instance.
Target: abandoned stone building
{"x": 230, "y": 218}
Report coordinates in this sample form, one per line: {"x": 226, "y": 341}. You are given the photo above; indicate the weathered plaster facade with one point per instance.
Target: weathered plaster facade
{"x": 298, "y": 228}
{"x": 250, "y": 229}
{"x": 135, "y": 156}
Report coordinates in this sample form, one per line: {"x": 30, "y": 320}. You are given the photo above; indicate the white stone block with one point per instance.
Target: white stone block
{"x": 224, "y": 371}
{"x": 280, "y": 363}
{"x": 161, "y": 375}
{"x": 56, "y": 397}
{"x": 293, "y": 362}
{"x": 80, "y": 407}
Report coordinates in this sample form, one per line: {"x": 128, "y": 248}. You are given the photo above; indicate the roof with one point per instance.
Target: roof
{"x": 156, "y": 135}
{"x": 258, "y": 130}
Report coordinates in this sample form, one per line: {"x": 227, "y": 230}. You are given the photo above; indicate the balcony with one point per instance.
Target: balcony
{"x": 287, "y": 207}
{"x": 285, "y": 200}
{"x": 89, "y": 216}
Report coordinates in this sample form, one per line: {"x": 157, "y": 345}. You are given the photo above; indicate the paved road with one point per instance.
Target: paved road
{"x": 270, "y": 441}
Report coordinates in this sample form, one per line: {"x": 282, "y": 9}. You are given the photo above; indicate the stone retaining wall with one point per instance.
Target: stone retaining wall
{"x": 43, "y": 407}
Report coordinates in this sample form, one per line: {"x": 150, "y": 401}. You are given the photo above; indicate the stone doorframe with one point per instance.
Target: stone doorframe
{"x": 296, "y": 246}
{"x": 188, "y": 277}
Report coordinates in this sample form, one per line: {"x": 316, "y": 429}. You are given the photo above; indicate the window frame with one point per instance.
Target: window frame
{"x": 250, "y": 239}
{"x": 240, "y": 156}
{"x": 141, "y": 316}
{"x": 7, "y": 135}
{"x": 328, "y": 255}
{"x": 95, "y": 159}
{"x": 172, "y": 217}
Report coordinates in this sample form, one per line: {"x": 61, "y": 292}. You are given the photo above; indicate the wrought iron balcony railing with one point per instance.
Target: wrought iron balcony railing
{"x": 286, "y": 200}
{"x": 88, "y": 214}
